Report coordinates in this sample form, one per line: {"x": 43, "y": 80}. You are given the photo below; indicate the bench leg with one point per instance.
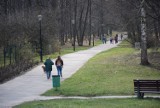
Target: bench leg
{"x": 140, "y": 95}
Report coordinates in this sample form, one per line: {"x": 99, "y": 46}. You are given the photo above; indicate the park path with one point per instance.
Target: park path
{"x": 29, "y": 86}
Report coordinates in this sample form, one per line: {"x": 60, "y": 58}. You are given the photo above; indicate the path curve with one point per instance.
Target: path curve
{"x": 29, "y": 86}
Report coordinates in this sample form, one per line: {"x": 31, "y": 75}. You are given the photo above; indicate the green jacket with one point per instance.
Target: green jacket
{"x": 48, "y": 65}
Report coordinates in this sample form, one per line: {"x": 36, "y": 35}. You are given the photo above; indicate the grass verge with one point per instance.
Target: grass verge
{"x": 93, "y": 103}
{"x": 108, "y": 73}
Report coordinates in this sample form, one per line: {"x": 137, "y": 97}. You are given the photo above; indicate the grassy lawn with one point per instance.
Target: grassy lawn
{"x": 93, "y": 103}
{"x": 108, "y": 73}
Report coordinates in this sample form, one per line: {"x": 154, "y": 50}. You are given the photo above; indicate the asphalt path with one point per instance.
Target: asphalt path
{"x": 32, "y": 84}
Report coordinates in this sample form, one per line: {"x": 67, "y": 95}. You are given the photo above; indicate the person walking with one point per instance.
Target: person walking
{"x": 116, "y": 38}
{"x": 104, "y": 40}
{"x": 59, "y": 65}
{"x": 111, "y": 40}
{"x": 121, "y": 36}
{"x": 48, "y": 67}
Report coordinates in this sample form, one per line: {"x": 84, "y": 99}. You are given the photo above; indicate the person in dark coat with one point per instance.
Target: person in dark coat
{"x": 59, "y": 65}
{"x": 116, "y": 38}
{"x": 48, "y": 67}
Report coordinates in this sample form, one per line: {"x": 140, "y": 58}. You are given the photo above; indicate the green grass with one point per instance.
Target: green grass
{"x": 93, "y": 103}
{"x": 66, "y": 50}
{"x": 108, "y": 73}
{"x": 62, "y": 52}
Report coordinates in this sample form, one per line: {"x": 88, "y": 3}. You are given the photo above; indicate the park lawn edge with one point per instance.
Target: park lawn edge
{"x": 88, "y": 82}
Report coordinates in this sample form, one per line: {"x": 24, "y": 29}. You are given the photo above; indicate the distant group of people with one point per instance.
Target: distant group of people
{"x": 115, "y": 39}
{"x": 48, "y": 66}
{"x": 112, "y": 39}
{"x": 59, "y": 62}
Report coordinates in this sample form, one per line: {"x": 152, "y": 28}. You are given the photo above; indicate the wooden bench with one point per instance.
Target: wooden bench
{"x": 146, "y": 86}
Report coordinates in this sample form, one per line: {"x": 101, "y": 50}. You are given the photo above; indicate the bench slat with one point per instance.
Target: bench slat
{"x": 146, "y": 86}
{"x": 145, "y": 80}
{"x": 146, "y": 90}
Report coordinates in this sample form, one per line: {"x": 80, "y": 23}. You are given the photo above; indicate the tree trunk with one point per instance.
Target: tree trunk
{"x": 144, "y": 57}
{"x": 84, "y": 28}
{"x": 90, "y": 28}
{"x": 80, "y": 24}
{"x": 62, "y": 26}
{"x": 156, "y": 35}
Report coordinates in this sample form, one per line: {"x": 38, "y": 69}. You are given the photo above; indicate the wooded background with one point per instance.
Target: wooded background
{"x": 19, "y": 25}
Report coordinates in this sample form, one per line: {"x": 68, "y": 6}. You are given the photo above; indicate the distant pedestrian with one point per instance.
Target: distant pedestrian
{"x": 48, "y": 67}
{"x": 59, "y": 65}
{"x": 121, "y": 36}
{"x": 116, "y": 38}
{"x": 104, "y": 40}
{"x": 111, "y": 40}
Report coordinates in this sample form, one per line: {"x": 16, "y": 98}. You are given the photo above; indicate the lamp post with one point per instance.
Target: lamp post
{"x": 4, "y": 54}
{"x": 93, "y": 32}
{"x": 74, "y": 36}
{"x": 40, "y": 37}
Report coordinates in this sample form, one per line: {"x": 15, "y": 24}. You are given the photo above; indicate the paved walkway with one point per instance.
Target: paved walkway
{"x": 29, "y": 86}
